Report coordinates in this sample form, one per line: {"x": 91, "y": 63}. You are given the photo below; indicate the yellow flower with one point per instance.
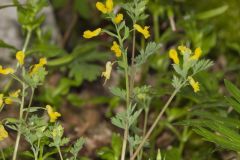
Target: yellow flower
{"x": 90, "y": 34}
{"x": 108, "y": 71}
{"x": 109, "y": 5}
{"x": 116, "y": 49}
{"x": 52, "y": 115}
{"x": 1, "y": 100}
{"x": 3, "y": 133}
{"x": 183, "y": 49}
{"x": 118, "y": 18}
{"x": 105, "y": 8}
{"x": 6, "y": 70}
{"x": 197, "y": 54}
{"x": 101, "y": 7}
{"x": 15, "y": 94}
{"x": 41, "y": 63}
{"x": 20, "y": 56}
{"x": 144, "y": 30}
{"x": 174, "y": 56}
{"x": 194, "y": 84}
{"x": 8, "y": 101}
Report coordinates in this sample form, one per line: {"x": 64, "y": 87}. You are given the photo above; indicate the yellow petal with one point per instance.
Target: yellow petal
{"x": 197, "y": 54}
{"x": 20, "y": 56}
{"x": 144, "y": 30}
{"x": 15, "y": 94}
{"x": 8, "y": 101}
{"x": 52, "y": 115}
{"x": 109, "y": 6}
{"x": 116, "y": 49}
{"x": 101, "y": 7}
{"x": 6, "y": 71}
{"x": 194, "y": 84}
{"x": 42, "y": 61}
{"x": 108, "y": 71}
{"x": 3, "y": 133}
{"x": 90, "y": 34}
{"x": 118, "y": 18}
{"x": 35, "y": 68}
{"x": 183, "y": 49}
{"x": 174, "y": 56}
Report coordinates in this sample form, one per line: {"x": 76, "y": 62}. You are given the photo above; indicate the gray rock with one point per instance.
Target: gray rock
{"x": 10, "y": 31}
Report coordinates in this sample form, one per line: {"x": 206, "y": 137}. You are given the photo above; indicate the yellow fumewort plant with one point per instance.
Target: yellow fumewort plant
{"x": 144, "y": 30}
{"x": 3, "y": 133}
{"x": 90, "y": 34}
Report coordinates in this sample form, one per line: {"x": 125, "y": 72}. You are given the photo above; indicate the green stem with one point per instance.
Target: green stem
{"x": 144, "y": 129}
{"x": 2, "y": 153}
{"x": 125, "y": 137}
{"x": 20, "y": 118}
{"x": 60, "y": 153}
{"x": 27, "y": 40}
{"x": 30, "y": 103}
{"x": 41, "y": 153}
{"x": 155, "y": 123}
{"x": 132, "y": 75}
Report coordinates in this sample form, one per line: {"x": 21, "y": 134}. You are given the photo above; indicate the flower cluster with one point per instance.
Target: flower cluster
{"x": 189, "y": 60}
{"x": 107, "y": 9}
{"x": 36, "y": 67}
{"x": 20, "y": 57}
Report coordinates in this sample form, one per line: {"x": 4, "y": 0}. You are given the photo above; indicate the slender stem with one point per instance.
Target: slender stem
{"x": 30, "y": 103}
{"x": 144, "y": 129}
{"x": 125, "y": 137}
{"x": 124, "y": 146}
{"x": 2, "y": 153}
{"x": 145, "y": 122}
{"x": 132, "y": 76}
{"x": 20, "y": 118}
{"x": 154, "y": 124}
{"x": 41, "y": 153}
{"x": 27, "y": 40}
{"x": 60, "y": 153}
